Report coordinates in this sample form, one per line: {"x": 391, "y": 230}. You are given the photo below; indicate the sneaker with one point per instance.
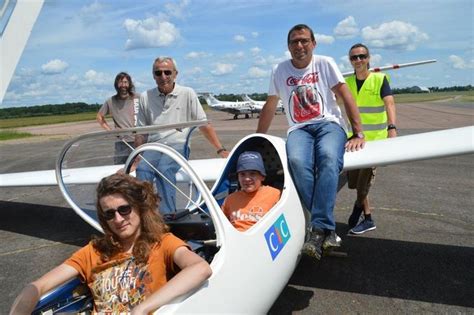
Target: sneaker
{"x": 332, "y": 240}
{"x": 355, "y": 216}
{"x": 313, "y": 247}
{"x": 364, "y": 226}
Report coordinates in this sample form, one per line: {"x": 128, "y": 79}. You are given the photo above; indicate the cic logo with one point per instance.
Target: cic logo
{"x": 277, "y": 236}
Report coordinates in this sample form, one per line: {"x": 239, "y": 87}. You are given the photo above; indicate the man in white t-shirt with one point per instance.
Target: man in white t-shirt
{"x": 123, "y": 108}
{"x": 169, "y": 103}
{"x": 307, "y": 85}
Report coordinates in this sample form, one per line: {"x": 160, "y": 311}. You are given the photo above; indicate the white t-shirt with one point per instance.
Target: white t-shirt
{"x": 180, "y": 106}
{"x": 306, "y": 93}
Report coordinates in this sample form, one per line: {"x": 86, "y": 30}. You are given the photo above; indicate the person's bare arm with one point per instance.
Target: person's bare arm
{"x": 102, "y": 121}
{"x": 389, "y": 102}
{"x": 267, "y": 114}
{"x": 210, "y": 134}
{"x": 194, "y": 271}
{"x": 29, "y": 297}
{"x": 342, "y": 91}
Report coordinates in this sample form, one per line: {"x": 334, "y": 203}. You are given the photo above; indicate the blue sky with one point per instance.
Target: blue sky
{"x": 78, "y": 46}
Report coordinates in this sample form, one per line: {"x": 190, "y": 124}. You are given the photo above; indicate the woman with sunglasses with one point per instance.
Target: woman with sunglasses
{"x": 136, "y": 266}
{"x": 377, "y": 111}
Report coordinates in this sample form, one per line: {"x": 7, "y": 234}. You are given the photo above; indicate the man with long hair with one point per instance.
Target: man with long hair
{"x": 123, "y": 108}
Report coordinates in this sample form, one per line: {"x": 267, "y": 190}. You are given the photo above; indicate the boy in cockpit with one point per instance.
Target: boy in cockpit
{"x": 245, "y": 207}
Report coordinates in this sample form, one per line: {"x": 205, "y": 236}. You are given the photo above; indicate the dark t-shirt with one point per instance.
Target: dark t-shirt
{"x": 384, "y": 91}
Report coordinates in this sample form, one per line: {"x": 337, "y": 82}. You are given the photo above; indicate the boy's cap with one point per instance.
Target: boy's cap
{"x": 250, "y": 161}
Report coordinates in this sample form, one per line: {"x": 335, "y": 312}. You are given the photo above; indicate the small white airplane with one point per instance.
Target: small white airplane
{"x": 234, "y": 108}
{"x": 258, "y": 105}
{"x": 272, "y": 246}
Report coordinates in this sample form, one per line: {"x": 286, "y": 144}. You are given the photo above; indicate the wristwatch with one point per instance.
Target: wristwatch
{"x": 391, "y": 126}
{"x": 221, "y": 150}
{"x": 359, "y": 135}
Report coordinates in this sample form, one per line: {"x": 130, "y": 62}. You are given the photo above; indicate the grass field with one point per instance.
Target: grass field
{"x": 465, "y": 96}
{"x": 8, "y": 134}
{"x": 7, "y": 125}
{"x": 45, "y": 120}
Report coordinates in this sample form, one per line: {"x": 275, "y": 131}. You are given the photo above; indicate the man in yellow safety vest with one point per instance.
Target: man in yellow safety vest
{"x": 377, "y": 111}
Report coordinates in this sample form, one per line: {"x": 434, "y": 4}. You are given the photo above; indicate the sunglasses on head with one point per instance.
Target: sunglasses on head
{"x": 158, "y": 73}
{"x": 109, "y": 214}
{"x": 361, "y": 57}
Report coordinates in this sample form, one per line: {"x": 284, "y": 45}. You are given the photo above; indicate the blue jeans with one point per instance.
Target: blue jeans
{"x": 316, "y": 157}
{"x": 166, "y": 166}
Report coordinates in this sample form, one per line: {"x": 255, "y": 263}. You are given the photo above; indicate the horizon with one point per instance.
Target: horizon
{"x": 230, "y": 48}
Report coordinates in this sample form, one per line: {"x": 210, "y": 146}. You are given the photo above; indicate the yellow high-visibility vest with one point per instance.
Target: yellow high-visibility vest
{"x": 371, "y": 106}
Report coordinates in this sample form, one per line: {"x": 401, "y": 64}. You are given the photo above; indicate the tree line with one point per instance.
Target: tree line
{"x": 81, "y": 107}
{"x": 435, "y": 89}
{"x": 48, "y": 110}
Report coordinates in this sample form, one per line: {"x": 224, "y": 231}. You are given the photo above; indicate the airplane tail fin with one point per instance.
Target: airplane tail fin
{"x": 246, "y": 98}
{"x": 210, "y": 99}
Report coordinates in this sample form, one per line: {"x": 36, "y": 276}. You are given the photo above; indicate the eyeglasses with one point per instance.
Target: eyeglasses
{"x": 303, "y": 41}
{"x": 361, "y": 57}
{"x": 167, "y": 73}
{"x": 109, "y": 214}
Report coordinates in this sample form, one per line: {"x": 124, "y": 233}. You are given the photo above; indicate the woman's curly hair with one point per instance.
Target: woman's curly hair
{"x": 142, "y": 198}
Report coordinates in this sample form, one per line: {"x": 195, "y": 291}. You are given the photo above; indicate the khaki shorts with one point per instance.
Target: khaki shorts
{"x": 361, "y": 180}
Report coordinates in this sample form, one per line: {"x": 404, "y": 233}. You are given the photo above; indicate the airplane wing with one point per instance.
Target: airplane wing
{"x": 429, "y": 145}
{"x": 20, "y": 16}
{"x": 393, "y": 67}
{"x": 235, "y": 110}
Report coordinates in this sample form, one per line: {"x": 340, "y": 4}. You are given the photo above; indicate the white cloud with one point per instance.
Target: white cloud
{"x": 55, "y": 66}
{"x": 256, "y": 72}
{"x": 375, "y": 60}
{"x": 345, "y": 65}
{"x": 196, "y": 55}
{"x": 236, "y": 55}
{"x": 254, "y": 34}
{"x": 347, "y": 28}
{"x": 325, "y": 39}
{"x": 240, "y": 38}
{"x": 150, "y": 32}
{"x": 255, "y": 50}
{"x": 177, "y": 9}
{"x": 91, "y": 14}
{"x": 394, "y": 35}
{"x": 92, "y": 8}
{"x": 194, "y": 70}
{"x": 223, "y": 68}
{"x": 269, "y": 60}
{"x": 94, "y": 77}
{"x": 459, "y": 63}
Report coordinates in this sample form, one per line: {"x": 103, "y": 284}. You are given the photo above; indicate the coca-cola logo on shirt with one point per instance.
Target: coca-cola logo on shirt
{"x": 305, "y": 103}
{"x": 310, "y": 78}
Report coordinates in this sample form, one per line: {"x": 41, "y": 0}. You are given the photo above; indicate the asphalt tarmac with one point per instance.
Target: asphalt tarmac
{"x": 419, "y": 259}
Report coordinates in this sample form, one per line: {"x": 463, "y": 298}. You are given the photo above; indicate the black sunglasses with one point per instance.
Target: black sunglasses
{"x": 361, "y": 57}
{"x": 109, "y": 214}
{"x": 158, "y": 73}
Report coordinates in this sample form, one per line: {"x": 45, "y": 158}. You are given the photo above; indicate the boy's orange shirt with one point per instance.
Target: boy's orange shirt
{"x": 244, "y": 209}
